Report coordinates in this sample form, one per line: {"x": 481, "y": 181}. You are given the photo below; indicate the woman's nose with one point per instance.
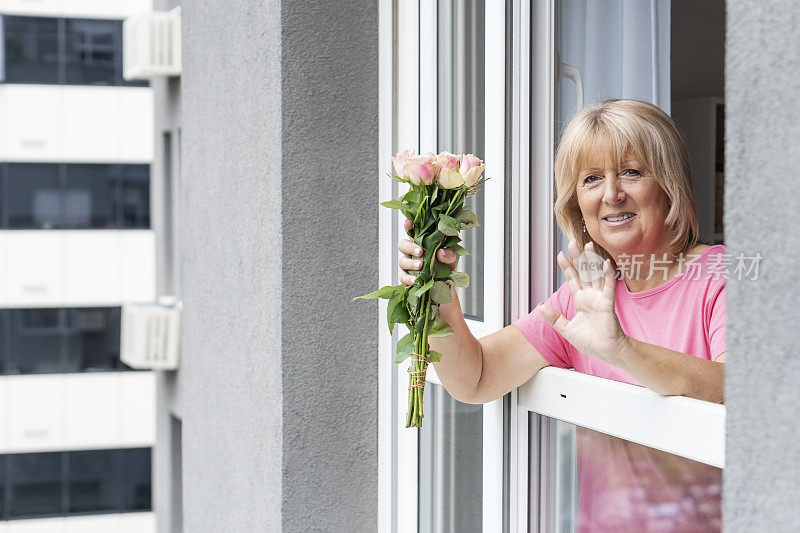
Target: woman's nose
{"x": 613, "y": 192}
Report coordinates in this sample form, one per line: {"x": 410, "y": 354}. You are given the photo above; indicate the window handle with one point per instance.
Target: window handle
{"x": 572, "y": 73}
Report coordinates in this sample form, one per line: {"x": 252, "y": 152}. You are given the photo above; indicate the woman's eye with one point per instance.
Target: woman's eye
{"x": 590, "y": 179}
{"x": 631, "y": 172}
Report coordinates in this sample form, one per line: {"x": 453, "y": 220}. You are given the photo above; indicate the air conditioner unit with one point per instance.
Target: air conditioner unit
{"x": 150, "y": 336}
{"x": 152, "y": 45}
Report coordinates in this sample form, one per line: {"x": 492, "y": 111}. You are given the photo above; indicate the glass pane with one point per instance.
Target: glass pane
{"x": 137, "y": 479}
{"x": 135, "y": 199}
{"x": 34, "y": 197}
{"x": 94, "y": 481}
{"x": 31, "y": 49}
{"x": 89, "y": 196}
{"x": 93, "y": 340}
{"x": 34, "y": 484}
{"x": 34, "y": 341}
{"x": 461, "y": 119}
{"x": 600, "y": 483}
{"x": 451, "y": 464}
{"x": 93, "y": 54}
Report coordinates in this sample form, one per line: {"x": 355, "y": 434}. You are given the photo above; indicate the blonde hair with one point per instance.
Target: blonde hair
{"x": 638, "y": 128}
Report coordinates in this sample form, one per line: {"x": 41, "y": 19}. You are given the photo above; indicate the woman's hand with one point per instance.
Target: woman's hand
{"x": 411, "y": 258}
{"x": 595, "y": 329}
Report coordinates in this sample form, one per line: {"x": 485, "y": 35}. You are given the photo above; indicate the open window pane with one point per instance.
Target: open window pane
{"x": 461, "y": 119}
{"x": 451, "y": 464}
{"x": 600, "y": 483}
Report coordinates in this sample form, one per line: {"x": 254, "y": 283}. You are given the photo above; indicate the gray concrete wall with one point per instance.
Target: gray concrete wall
{"x": 761, "y": 215}
{"x": 330, "y": 238}
{"x": 278, "y": 231}
{"x": 230, "y": 249}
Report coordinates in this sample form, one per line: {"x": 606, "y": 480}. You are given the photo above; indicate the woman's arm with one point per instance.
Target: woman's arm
{"x": 479, "y": 371}
{"x": 669, "y": 372}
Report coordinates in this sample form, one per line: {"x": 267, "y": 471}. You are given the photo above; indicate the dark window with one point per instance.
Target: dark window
{"x": 94, "y": 481}
{"x": 62, "y": 51}
{"x": 135, "y": 197}
{"x": 31, "y": 49}
{"x": 93, "y": 339}
{"x": 34, "y": 196}
{"x": 51, "y": 341}
{"x": 76, "y": 196}
{"x": 76, "y": 482}
{"x": 92, "y": 52}
{"x": 35, "y": 341}
{"x": 90, "y": 196}
{"x": 137, "y": 468}
{"x": 33, "y": 483}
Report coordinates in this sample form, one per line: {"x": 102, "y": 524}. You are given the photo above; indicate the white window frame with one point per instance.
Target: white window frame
{"x": 682, "y": 426}
{"x": 407, "y": 82}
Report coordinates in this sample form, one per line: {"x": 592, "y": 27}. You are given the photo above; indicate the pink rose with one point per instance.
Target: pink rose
{"x": 420, "y": 168}
{"x": 446, "y": 160}
{"x": 469, "y": 161}
{"x": 471, "y": 169}
{"x": 399, "y": 162}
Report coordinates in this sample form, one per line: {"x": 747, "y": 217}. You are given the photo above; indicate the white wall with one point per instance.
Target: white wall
{"x": 87, "y": 124}
{"x": 109, "y": 9}
{"x": 82, "y": 411}
{"x": 76, "y": 268}
{"x": 104, "y": 523}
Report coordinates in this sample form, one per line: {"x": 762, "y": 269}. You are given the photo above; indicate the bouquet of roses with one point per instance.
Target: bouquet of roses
{"x": 435, "y": 205}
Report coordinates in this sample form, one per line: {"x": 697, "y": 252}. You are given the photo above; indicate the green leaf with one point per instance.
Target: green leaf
{"x": 440, "y": 293}
{"x": 442, "y": 270}
{"x": 434, "y": 357}
{"x": 409, "y": 214}
{"x": 412, "y": 195}
{"x": 396, "y": 312}
{"x": 448, "y": 225}
{"x": 419, "y": 291}
{"x": 440, "y": 328}
{"x": 459, "y": 250}
{"x": 412, "y": 301}
{"x": 404, "y": 347}
{"x": 461, "y": 279}
{"x": 451, "y": 241}
{"x": 394, "y": 204}
{"x": 467, "y": 218}
{"x": 435, "y": 194}
{"x": 383, "y": 292}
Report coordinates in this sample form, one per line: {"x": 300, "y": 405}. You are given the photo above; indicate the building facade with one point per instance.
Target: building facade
{"x": 286, "y": 412}
{"x": 76, "y": 145}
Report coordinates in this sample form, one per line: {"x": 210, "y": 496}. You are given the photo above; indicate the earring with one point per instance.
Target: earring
{"x": 584, "y": 227}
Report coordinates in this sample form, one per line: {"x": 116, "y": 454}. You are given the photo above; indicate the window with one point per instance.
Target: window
{"x": 62, "y": 51}
{"x": 74, "y": 196}
{"x": 75, "y": 482}
{"x": 50, "y": 341}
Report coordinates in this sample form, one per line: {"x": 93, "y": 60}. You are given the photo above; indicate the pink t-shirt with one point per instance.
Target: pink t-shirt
{"x": 685, "y": 314}
{"x": 624, "y": 486}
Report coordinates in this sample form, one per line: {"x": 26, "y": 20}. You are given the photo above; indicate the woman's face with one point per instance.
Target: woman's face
{"x": 624, "y": 208}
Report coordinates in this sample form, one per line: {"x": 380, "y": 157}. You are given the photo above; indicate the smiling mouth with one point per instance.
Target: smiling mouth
{"x": 619, "y": 218}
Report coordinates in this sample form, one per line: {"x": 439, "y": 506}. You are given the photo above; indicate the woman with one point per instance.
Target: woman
{"x": 648, "y": 305}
